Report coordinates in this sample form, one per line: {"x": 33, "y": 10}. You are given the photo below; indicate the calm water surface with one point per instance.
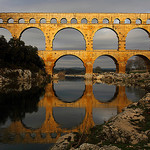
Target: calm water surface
{"x": 36, "y": 118}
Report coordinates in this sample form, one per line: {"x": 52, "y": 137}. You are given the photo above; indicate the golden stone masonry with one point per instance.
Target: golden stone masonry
{"x": 88, "y": 30}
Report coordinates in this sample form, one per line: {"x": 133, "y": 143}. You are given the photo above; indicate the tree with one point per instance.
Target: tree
{"x": 19, "y": 55}
{"x": 97, "y": 69}
{"x": 137, "y": 63}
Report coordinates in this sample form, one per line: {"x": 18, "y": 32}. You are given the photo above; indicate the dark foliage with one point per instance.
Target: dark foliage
{"x": 15, "y": 54}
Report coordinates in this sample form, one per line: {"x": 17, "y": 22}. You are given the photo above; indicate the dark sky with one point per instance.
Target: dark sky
{"x": 134, "y": 6}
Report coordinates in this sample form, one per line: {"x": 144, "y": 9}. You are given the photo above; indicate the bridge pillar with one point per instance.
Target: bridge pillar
{"x": 89, "y": 40}
{"x": 122, "y": 42}
{"x": 89, "y": 70}
{"x": 121, "y": 67}
{"x": 49, "y": 67}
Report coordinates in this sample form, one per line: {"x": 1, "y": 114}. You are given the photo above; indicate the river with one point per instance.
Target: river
{"x": 36, "y": 118}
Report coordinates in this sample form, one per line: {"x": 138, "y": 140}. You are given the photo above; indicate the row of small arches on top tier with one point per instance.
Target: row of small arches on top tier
{"x": 74, "y": 21}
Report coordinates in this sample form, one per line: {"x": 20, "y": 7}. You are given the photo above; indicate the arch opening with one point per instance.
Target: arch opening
{"x": 104, "y": 93}
{"x": 34, "y": 37}
{"x": 138, "y": 21}
{"x": 138, "y": 39}
{"x": 69, "y": 64}
{"x": 43, "y": 20}
{"x": 148, "y": 21}
{"x": 127, "y": 21}
{"x": 105, "y": 21}
{"x": 37, "y": 123}
{"x": 116, "y": 21}
{"x": 73, "y": 20}
{"x": 84, "y": 21}
{"x": 94, "y": 20}
{"x": 105, "y": 38}
{"x": 63, "y": 21}
{"x": 100, "y": 115}
{"x": 21, "y": 20}
{"x": 105, "y": 63}
{"x": 4, "y": 32}
{"x": 134, "y": 94}
{"x": 69, "y": 39}
{"x": 53, "y": 21}
{"x": 138, "y": 63}
{"x": 1, "y": 20}
{"x": 32, "y": 20}
{"x": 10, "y": 20}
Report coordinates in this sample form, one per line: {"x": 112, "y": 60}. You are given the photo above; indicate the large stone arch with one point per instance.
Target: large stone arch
{"x": 100, "y": 29}
{"x": 73, "y": 29}
{"x": 145, "y": 58}
{"x": 8, "y": 33}
{"x": 114, "y": 58}
{"x": 59, "y": 57}
{"x": 42, "y": 33}
{"x": 130, "y": 32}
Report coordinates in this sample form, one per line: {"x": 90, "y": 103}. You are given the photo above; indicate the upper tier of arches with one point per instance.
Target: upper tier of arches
{"x": 92, "y": 18}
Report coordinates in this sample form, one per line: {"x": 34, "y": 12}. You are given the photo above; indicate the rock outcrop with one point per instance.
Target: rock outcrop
{"x": 18, "y": 79}
{"x": 132, "y": 79}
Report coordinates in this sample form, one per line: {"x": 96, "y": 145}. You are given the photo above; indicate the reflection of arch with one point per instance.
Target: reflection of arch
{"x": 112, "y": 98}
{"x": 132, "y": 39}
{"x": 79, "y": 89}
{"x": 51, "y": 129}
{"x": 103, "y": 114}
{"x": 36, "y": 124}
{"x": 39, "y": 31}
{"x": 73, "y": 45}
{"x": 146, "y": 60}
{"x": 106, "y": 30}
{"x": 134, "y": 93}
{"x": 74, "y": 116}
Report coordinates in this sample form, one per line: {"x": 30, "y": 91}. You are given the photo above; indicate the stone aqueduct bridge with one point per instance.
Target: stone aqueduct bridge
{"x": 44, "y": 134}
{"x": 88, "y": 56}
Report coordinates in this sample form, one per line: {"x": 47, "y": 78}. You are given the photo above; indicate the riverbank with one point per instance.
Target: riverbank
{"x": 126, "y": 131}
{"x": 133, "y": 79}
{"x": 19, "y": 79}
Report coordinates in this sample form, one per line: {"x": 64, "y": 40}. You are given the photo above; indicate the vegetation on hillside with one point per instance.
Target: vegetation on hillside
{"x": 15, "y": 54}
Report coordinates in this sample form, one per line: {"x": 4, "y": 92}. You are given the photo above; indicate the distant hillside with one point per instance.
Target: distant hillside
{"x": 74, "y": 70}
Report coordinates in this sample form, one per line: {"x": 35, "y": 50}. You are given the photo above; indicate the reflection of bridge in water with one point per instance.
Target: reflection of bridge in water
{"x": 50, "y": 129}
